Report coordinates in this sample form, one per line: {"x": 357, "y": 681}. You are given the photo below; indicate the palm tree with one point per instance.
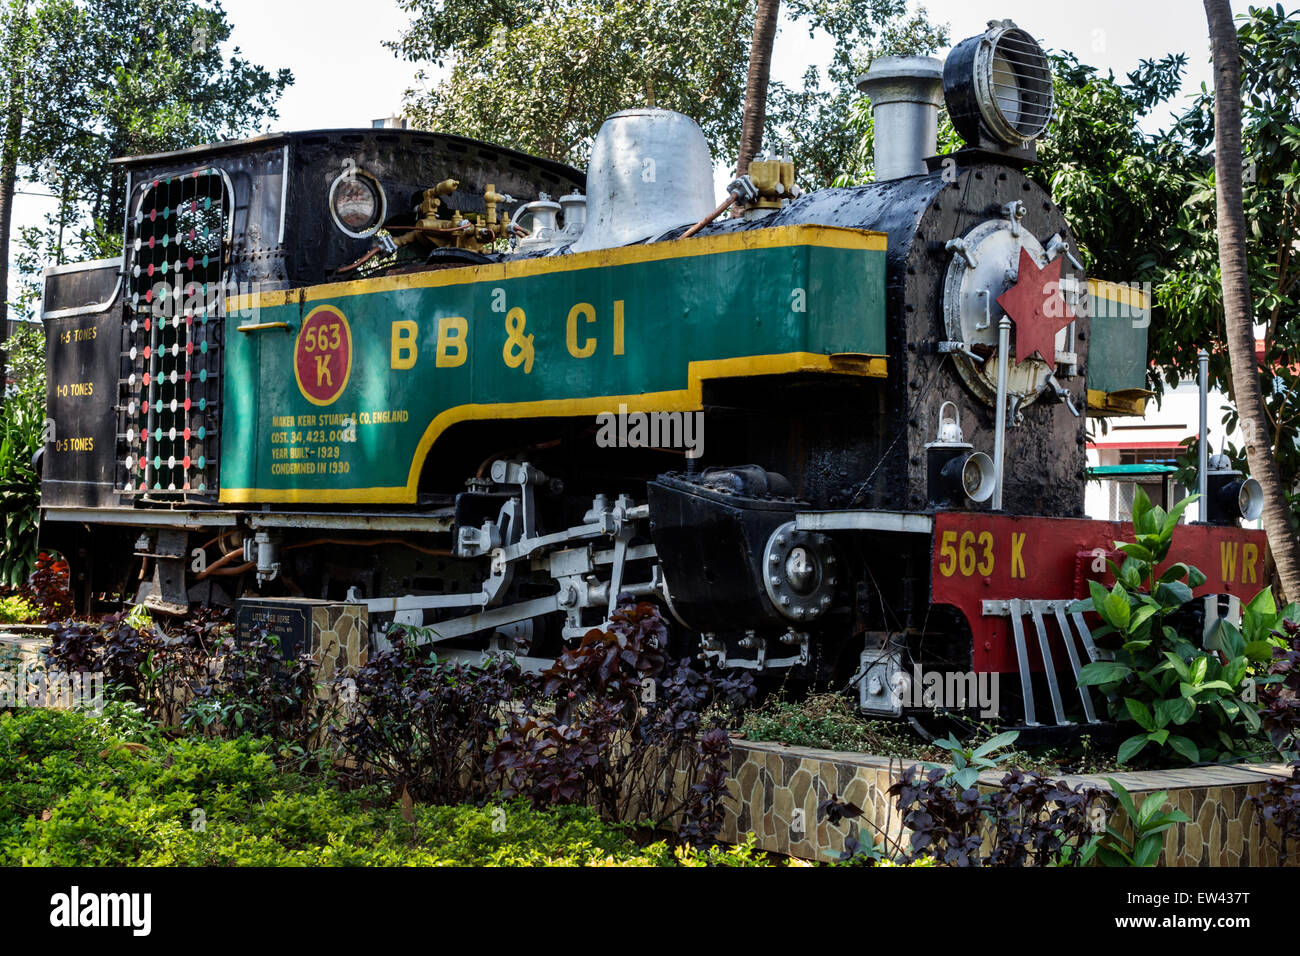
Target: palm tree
{"x": 1237, "y": 311}
{"x": 760, "y": 70}
{"x": 12, "y": 121}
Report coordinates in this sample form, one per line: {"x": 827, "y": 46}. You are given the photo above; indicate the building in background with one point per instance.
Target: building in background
{"x": 1144, "y": 452}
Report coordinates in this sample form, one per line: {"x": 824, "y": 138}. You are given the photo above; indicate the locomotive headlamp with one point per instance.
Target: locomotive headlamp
{"x": 998, "y": 87}
{"x": 977, "y": 476}
{"x": 357, "y": 203}
{"x": 963, "y": 475}
{"x": 957, "y": 474}
{"x": 1246, "y": 496}
{"x": 1230, "y": 495}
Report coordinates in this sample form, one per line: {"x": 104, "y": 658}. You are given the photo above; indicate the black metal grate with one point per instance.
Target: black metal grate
{"x": 170, "y": 385}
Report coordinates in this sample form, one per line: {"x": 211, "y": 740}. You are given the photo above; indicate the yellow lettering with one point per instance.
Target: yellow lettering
{"x": 453, "y": 331}
{"x": 323, "y": 373}
{"x": 986, "y": 542}
{"x": 518, "y": 348}
{"x": 1017, "y": 554}
{"x": 948, "y": 554}
{"x": 571, "y": 332}
{"x": 618, "y": 326}
{"x": 1228, "y": 559}
{"x": 967, "y": 553}
{"x": 1249, "y": 558}
{"x": 403, "y": 346}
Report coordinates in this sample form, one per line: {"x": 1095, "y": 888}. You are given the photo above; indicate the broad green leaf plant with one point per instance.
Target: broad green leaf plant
{"x": 1190, "y": 704}
{"x": 1149, "y": 823}
{"x": 969, "y": 761}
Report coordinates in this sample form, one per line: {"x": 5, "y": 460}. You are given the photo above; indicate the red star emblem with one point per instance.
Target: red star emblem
{"x": 1037, "y": 307}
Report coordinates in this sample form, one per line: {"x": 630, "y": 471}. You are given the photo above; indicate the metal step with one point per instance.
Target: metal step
{"x": 1018, "y": 609}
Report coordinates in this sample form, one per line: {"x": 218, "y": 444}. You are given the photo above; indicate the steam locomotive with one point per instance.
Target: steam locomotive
{"x": 839, "y": 434}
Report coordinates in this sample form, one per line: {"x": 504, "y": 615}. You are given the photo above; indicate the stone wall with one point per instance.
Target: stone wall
{"x": 339, "y": 641}
{"x": 337, "y": 635}
{"x": 770, "y": 782}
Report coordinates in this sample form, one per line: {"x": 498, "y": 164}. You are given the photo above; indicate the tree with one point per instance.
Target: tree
{"x": 138, "y": 76}
{"x": 544, "y": 80}
{"x": 22, "y": 418}
{"x": 830, "y": 127}
{"x": 115, "y": 78}
{"x": 1191, "y": 292}
{"x": 85, "y": 81}
{"x": 16, "y": 24}
{"x": 1120, "y": 188}
{"x": 760, "y": 70}
{"x": 1234, "y": 268}
{"x": 1144, "y": 209}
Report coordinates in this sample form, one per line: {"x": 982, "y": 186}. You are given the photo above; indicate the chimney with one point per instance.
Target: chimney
{"x": 905, "y": 94}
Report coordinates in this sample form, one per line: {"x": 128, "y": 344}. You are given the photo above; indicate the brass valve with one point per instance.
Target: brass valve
{"x": 457, "y": 229}
{"x": 774, "y": 179}
{"x": 428, "y": 226}
{"x": 493, "y": 228}
{"x": 431, "y": 199}
{"x": 491, "y": 197}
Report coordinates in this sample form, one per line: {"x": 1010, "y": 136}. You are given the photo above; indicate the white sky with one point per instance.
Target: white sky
{"x": 343, "y": 75}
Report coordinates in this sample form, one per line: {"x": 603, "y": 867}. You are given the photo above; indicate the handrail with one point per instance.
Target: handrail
{"x": 263, "y": 326}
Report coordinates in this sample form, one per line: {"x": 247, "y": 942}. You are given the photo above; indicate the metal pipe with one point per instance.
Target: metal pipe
{"x": 1202, "y": 444}
{"x": 214, "y": 567}
{"x": 369, "y": 543}
{"x": 726, "y": 204}
{"x": 1000, "y": 434}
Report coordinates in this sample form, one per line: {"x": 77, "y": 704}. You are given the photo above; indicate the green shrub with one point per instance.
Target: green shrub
{"x": 199, "y": 676}
{"x": 828, "y": 722}
{"x": 22, "y": 418}
{"x": 1142, "y": 842}
{"x": 15, "y": 609}
{"x": 108, "y": 790}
